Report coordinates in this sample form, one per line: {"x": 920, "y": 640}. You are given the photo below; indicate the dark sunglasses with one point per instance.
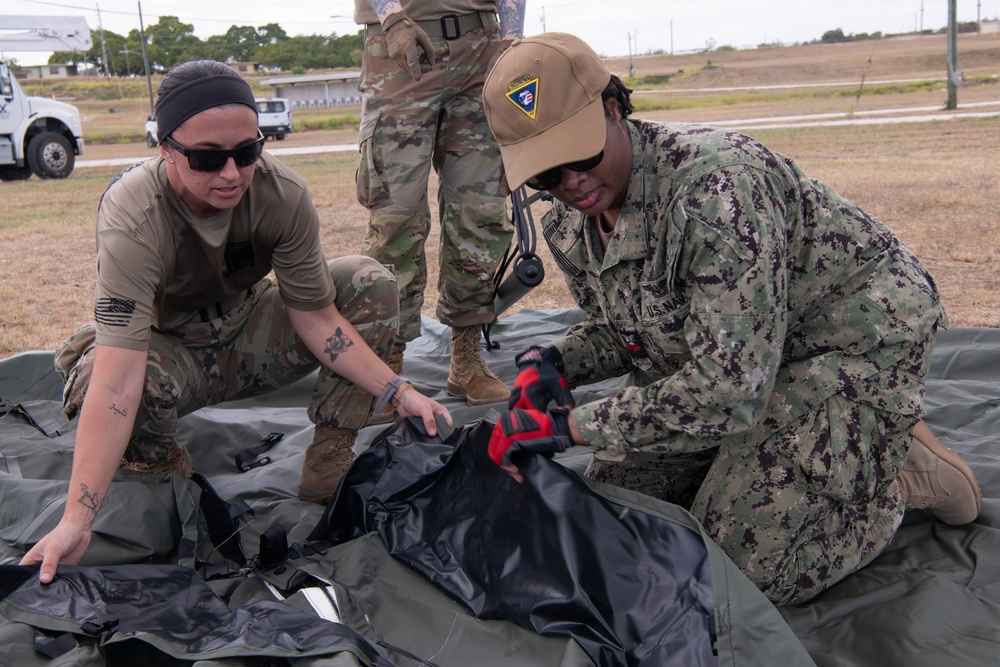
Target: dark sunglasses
{"x": 551, "y": 178}
{"x": 213, "y": 159}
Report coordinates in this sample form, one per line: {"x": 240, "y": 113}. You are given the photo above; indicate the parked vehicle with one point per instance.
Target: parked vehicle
{"x": 37, "y": 135}
{"x": 151, "y": 140}
{"x": 275, "y": 117}
{"x": 274, "y": 120}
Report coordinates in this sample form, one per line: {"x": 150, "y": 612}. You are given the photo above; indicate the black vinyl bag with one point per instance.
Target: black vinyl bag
{"x": 631, "y": 587}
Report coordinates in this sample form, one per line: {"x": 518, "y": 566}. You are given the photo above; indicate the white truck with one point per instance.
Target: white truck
{"x": 274, "y": 118}
{"x": 38, "y": 135}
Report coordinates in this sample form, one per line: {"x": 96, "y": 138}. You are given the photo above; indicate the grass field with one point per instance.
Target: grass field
{"x": 935, "y": 182}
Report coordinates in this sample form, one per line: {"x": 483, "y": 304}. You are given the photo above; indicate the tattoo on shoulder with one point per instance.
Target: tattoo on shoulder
{"x": 91, "y": 501}
{"x": 337, "y": 343}
{"x": 118, "y": 411}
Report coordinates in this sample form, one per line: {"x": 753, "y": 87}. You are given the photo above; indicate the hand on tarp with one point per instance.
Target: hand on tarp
{"x": 407, "y": 42}
{"x": 539, "y": 381}
{"x": 535, "y": 431}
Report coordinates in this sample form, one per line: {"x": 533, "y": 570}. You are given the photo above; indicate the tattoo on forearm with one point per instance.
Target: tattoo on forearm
{"x": 337, "y": 343}
{"x": 91, "y": 501}
{"x": 118, "y": 411}
{"x": 385, "y": 7}
{"x": 511, "y": 13}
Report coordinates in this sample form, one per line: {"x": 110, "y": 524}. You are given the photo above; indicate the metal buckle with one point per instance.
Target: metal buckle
{"x": 453, "y": 20}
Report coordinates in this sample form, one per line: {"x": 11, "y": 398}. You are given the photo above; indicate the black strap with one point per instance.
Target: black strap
{"x": 273, "y": 547}
{"x": 99, "y": 625}
{"x": 245, "y": 458}
{"x": 528, "y": 269}
{"x": 221, "y": 520}
{"x": 53, "y": 647}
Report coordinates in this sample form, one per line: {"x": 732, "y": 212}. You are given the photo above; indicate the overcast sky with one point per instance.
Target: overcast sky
{"x": 611, "y": 27}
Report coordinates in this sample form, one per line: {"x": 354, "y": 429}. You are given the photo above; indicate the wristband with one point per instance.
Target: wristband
{"x": 397, "y": 398}
{"x": 391, "y": 387}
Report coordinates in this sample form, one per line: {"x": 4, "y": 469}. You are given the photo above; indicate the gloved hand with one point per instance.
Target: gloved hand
{"x": 529, "y": 431}
{"x": 406, "y": 42}
{"x": 539, "y": 380}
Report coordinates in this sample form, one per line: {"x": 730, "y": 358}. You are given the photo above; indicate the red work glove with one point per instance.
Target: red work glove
{"x": 530, "y": 431}
{"x": 539, "y": 381}
{"x": 407, "y": 42}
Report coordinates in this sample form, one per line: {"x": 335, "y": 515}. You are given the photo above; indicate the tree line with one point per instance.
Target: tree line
{"x": 170, "y": 41}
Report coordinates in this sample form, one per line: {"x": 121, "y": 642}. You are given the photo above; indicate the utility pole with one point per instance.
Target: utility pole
{"x": 921, "y": 15}
{"x": 543, "y": 19}
{"x": 104, "y": 44}
{"x": 145, "y": 60}
{"x": 954, "y": 74}
{"x": 631, "y": 70}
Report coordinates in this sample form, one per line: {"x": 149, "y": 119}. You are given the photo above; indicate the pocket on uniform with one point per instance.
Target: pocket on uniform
{"x": 663, "y": 314}
{"x": 372, "y": 189}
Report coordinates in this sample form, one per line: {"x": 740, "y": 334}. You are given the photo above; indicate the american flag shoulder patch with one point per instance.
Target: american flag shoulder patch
{"x": 114, "y": 312}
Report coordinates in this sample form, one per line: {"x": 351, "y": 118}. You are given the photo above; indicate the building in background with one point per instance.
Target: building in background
{"x": 337, "y": 89}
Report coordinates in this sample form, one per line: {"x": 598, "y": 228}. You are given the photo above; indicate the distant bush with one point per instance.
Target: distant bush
{"x": 837, "y": 36}
{"x": 647, "y": 80}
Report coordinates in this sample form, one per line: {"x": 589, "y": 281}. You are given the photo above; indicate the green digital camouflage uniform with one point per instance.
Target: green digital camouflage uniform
{"x": 408, "y": 126}
{"x": 249, "y": 351}
{"x": 769, "y": 329}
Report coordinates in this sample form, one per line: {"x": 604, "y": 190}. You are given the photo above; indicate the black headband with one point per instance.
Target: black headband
{"x": 193, "y": 97}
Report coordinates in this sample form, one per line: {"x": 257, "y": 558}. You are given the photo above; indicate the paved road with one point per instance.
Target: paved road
{"x": 301, "y": 150}
{"x": 900, "y": 115}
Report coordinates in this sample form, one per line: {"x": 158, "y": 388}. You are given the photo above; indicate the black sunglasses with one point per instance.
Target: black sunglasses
{"x": 214, "y": 159}
{"x": 551, "y": 178}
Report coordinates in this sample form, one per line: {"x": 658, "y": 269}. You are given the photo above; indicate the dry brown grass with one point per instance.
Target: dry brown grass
{"x": 936, "y": 184}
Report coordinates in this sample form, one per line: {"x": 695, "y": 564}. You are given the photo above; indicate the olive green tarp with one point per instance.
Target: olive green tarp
{"x": 932, "y": 598}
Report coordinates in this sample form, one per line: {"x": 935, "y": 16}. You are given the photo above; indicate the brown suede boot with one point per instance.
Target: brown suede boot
{"x": 936, "y": 479}
{"x": 388, "y": 415}
{"x": 469, "y": 376}
{"x": 327, "y": 459}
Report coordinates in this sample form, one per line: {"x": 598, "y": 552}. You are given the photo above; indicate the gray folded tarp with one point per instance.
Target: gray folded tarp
{"x": 933, "y": 598}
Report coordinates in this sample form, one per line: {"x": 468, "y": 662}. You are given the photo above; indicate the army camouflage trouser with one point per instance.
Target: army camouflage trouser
{"x": 801, "y": 507}
{"x": 251, "y": 350}
{"x": 408, "y": 126}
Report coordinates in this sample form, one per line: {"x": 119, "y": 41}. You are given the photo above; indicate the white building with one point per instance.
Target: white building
{"x": 336, "y": 89}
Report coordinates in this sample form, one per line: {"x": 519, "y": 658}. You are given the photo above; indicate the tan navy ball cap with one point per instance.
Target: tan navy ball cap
{"x": 543, "y": 102}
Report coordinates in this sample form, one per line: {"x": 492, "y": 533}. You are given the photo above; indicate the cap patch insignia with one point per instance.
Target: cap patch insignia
{"x": 524, "y": 94}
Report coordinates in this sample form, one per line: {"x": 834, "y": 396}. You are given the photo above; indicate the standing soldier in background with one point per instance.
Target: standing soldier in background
{"x": 423, "y": 72}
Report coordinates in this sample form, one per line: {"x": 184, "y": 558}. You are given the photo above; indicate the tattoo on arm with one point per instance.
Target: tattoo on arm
{"x": 385, "y": 7}
{"x": 118, "y": 411}
{"x": 511, "y": 14}
{"x": 91, "y": 501}
{"x": 337, "y": 343}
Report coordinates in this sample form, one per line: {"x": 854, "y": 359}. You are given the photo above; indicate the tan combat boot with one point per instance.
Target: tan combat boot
{"x": 388, "y": 415}
{"x": 936, "y": 479}
{"x": 469, "y": 375}
{"x": 327, "y": 459}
